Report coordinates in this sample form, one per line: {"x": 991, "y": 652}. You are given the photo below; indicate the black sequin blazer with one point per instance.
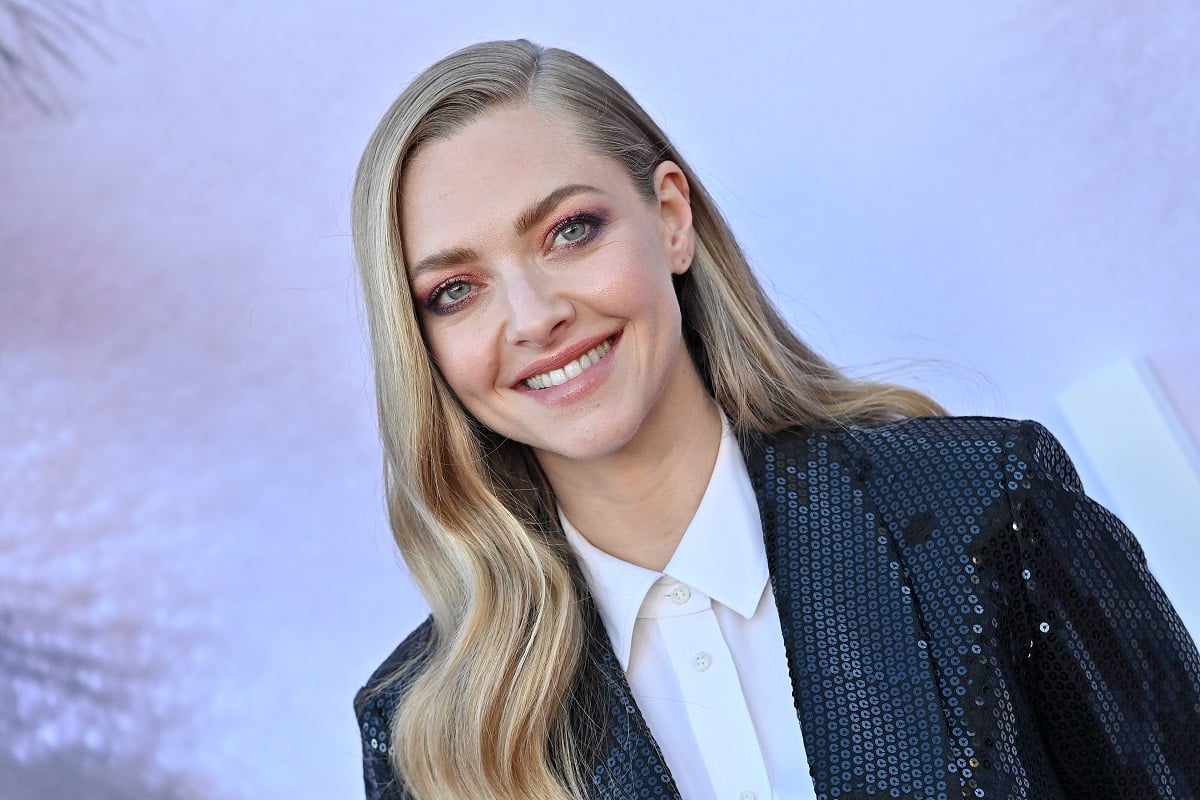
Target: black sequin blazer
{"x": 960, "y": 622}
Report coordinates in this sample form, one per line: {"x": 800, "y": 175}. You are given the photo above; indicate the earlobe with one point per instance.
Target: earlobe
{"x": 675, "y": 210}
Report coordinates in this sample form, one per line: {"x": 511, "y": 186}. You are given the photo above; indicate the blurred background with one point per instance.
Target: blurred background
{"x": 988, "y": 202}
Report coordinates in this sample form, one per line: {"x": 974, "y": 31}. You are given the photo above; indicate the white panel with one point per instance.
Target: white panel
{"x": 1148, "y": 465}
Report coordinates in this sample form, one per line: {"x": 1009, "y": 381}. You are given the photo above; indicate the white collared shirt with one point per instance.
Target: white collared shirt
{"x": 702, "y": 650}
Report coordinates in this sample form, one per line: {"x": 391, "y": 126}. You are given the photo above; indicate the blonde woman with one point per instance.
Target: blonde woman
{"x": 669, "y": 550}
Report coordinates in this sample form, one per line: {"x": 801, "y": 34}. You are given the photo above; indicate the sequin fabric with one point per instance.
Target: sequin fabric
{"x": 374, "y": 705}
{"x": 961, "y": 621}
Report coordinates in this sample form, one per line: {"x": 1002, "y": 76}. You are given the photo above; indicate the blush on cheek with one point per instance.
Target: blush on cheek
{"x": 466, "y": 353}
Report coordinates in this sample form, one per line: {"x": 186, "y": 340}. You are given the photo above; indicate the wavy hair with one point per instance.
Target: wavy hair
{"x": 497, "y": 705}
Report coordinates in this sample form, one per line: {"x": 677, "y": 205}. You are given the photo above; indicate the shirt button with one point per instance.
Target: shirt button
{"x": 701, "y": 661}
{"x": 680, "y": 594}
{"x": 746, "y": 795}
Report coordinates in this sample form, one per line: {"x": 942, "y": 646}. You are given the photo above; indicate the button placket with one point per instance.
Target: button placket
{"x": 714, "y": 700}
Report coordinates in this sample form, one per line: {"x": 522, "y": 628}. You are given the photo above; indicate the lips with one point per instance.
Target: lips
{"x": 557, "y": 377}
{"x": 571, "y": 363}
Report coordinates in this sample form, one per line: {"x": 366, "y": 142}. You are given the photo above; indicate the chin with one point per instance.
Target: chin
{"x": 587, "y": 445}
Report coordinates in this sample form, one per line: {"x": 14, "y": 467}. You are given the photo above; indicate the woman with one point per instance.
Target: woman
{"x": 670, "y": 551}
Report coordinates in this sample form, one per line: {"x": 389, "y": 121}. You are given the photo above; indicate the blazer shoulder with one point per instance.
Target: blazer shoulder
{"x": 994, "y": 439}
{"x": 943, "y": 430}
{"x": 917, "y": 434}
{"x": 967, "y": 446}
{"x": 375, "y": 705}
{"x": 392, "y": 676}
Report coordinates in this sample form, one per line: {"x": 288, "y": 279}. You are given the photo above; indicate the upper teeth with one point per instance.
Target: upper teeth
{"x": 557, "y": 377}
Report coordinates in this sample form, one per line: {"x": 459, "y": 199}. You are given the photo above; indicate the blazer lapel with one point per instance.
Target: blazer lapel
{"x": 863, "y": 687}
{"x": 628, "y": 762}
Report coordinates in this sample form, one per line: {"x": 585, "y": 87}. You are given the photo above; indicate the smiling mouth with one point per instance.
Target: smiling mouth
{"x": 557, "y": 377}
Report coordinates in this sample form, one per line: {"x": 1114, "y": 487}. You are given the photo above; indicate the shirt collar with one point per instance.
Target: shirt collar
{"x": 721, "y": 553}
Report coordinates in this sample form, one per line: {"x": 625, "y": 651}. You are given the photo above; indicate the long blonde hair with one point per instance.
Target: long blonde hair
{"x": 493, "y": 709}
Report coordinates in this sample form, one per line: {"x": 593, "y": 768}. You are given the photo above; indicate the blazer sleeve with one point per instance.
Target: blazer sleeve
{"x": 1110, "y": 669}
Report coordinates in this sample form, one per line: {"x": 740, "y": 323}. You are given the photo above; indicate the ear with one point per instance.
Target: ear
{"x": 675, "y": 215}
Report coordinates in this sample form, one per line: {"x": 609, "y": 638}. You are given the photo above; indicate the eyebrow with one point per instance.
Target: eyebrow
{"x": 528, "y": 218}
{"x": 542, "y": 208}
{"x": 446, "y": 258}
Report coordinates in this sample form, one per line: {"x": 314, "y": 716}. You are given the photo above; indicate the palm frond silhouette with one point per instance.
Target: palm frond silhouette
{"x": 41, "y": 40}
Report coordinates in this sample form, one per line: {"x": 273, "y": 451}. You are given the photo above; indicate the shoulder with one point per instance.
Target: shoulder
{"x": 923, "y": 438}
{"x": 389, "y": 680}
{"x": 922, "y": 459}
{"x": 939, "y": 433}
{"x": 408, "y": 653}
{"x": 1011, "y": 452}
{"x": 375, "y": 703}
{"x": 1022, "y": 448}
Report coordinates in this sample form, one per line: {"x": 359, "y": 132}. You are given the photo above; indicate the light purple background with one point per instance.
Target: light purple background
{"x": 195, "y": 569}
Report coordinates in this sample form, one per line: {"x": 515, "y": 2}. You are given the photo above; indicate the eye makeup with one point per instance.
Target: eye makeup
{"x": 594, "y": 220}
{"x": 433, "y": 299}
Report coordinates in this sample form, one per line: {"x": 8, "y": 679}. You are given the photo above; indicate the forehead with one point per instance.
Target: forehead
{"x": 480, "y": 178}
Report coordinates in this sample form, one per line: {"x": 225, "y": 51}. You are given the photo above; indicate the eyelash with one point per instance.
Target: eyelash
{"x": 431, "y": 302}
{"x": 595, "y": 223}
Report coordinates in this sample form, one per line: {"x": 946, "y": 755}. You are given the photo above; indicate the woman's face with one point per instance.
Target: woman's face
{"x": 542, "y": 281}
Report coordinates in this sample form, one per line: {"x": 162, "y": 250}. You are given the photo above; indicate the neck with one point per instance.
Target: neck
{"x": 637, "y": 502}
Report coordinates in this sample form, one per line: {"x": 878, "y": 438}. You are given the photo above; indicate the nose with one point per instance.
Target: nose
{"x": 537, "y": 310}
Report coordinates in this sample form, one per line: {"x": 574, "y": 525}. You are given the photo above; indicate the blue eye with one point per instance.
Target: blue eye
{"x": 447, "y": 296}
{"x": 573, "y": 232}
{"x": 577, "y": 230}
{"x": 457, "y": 290}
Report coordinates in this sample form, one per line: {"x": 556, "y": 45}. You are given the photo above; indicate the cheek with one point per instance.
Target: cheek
{"x": 463, "y": 357}
{"x": 633, "y": 275}
{"x": 649, "y": 292}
